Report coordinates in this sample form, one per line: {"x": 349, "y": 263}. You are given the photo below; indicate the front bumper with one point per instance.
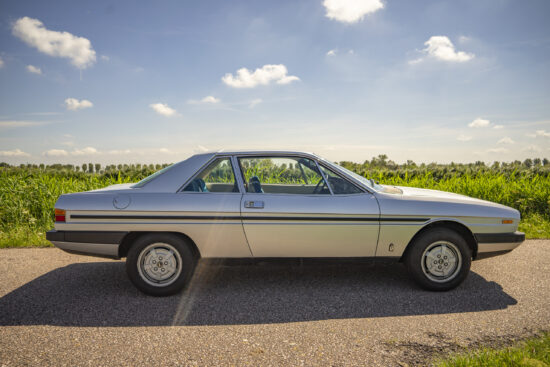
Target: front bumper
{"x": 100, "y": 244}
{"x": 492, "y": 244}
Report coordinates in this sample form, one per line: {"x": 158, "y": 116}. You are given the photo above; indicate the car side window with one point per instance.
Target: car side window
{"x": 339, "y": 185}
{"x": 282, "y": 175}
{"x": 216, "y": 177}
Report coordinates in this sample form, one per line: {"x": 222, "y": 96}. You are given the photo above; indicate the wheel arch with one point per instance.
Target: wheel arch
{"x": 131, "y": 237}
{"x": 456, "y": 226}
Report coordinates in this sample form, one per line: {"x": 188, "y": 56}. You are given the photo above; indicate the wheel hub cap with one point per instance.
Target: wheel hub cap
{"x": 159, "y": 264}
{"x": 441, "y": 261}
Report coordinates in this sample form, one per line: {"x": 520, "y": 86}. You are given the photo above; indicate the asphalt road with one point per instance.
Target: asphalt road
{"x": 60, "y": 309}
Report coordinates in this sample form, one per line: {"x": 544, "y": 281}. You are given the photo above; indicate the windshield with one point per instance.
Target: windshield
{"x": 151, "y": 177}
{"x": 368, "y": 182}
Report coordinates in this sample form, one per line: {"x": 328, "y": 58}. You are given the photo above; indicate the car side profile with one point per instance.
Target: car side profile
{"x": 273, "y": 204}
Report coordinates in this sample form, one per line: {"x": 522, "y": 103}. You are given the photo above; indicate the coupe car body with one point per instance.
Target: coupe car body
{"x": 267, "y": 204}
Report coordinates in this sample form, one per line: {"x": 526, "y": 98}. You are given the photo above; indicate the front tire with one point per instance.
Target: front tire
{"x": 160, "y": 264}
{"x": 439, "y": 260}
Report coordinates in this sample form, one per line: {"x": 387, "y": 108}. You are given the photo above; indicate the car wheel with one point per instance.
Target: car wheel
{"x": 160, "y": 264}
{"x": 439, "y": 260}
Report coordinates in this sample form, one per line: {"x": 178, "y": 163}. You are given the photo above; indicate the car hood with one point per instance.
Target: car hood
{"x": 436, "y": 195}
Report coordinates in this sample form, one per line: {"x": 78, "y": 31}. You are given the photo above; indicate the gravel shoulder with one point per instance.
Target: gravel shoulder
{"x": 60, "y": 309}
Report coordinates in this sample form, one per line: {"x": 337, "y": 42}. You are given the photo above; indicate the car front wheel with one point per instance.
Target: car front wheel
{"x": 439, "y": 260}
{"x": 160, "y": 264}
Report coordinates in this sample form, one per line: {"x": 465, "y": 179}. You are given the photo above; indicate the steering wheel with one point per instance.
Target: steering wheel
{"x": 318, "y": 188}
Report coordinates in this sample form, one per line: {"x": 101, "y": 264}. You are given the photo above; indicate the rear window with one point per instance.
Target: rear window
{"x": 150, "y": 178}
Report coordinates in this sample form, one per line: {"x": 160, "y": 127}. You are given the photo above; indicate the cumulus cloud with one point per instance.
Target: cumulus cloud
{"x": 498, "y": 127}
{"x": 506, "y": 140}
{"x": 497, "y": 150}
{"x": 55, "y": 153}
{"x": 119, "y": 152}
{"x": 350, "y": 11}
{"x": 85, "y": 151}
{"x": 57, "y": 44}
{"x": 163, "y": 109}
{"x": 245, "y": 78}
{"x": 479, "y": 122}
{"x": 34, "y": 69}
{"x": 205, "y": 100}
{"x": 531, "y": 148}
{"x": 441, "y": 48}
{"x": 13, "y": 153}
{"x": 164, "y": 150}
{"x": 74, "y": 104}
{"x": 331, "y": 53}
{"x": 539, "y": 133}
{"x": 463, "y": 137}
{"x": 1, "y": 63}
{"x": 255, "y": 102}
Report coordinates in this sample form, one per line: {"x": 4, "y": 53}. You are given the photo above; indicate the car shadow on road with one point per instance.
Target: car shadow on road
{"x": 99, "y": 294}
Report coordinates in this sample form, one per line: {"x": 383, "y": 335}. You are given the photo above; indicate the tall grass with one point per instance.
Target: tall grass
{"x": 28, "y": 194}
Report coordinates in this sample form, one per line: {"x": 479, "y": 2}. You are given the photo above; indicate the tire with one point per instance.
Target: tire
{"x": 172, "y": 252}
{"x": 430, "y": 259}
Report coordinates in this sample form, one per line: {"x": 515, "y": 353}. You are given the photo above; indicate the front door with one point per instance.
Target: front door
{"x": 290, "y": 210}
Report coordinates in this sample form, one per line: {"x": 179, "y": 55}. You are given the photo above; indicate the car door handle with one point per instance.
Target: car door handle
{"x": 254, "y": 204}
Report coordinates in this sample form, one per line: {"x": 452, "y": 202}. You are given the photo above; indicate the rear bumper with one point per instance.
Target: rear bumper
{"x": 492, "y": 244}
{"x": 101, "y": 244}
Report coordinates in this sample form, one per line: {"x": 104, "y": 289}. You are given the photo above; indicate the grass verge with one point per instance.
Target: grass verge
{"x": 533, "y": 352}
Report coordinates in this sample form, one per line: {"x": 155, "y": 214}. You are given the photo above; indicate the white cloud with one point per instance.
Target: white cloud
{"x": 441, "y": 48}
{"x": 163, "y": 109}
{"x": 463, "y": 39}
{"x": 332, "y": 53}
{"x": 350, "y": 11}
{"x": 18, "y": 123}
{"x": 205, "y": 100}
{"x": 497, "y": 150}
{"x": 1, "y": 63}
{"x": 479, "y": 122}
{"x": 13, "y": 153}
{"x": 498, "y": 127}
{"x": 506, "y": 140}
{"x": 262, "y": 76}
{"x": 34, "y": 69}
{"x": 531, "y": 148}
{"x": 119, "y": 152}
{"x": 105, "y": 58}
{"x": 74, "y": 104}
{"x": 55, "y": 153}
{"x": 85, "y": 151}
{"x": 463, "y": 137}
{"x": 255, "y": 102}
{"x": 539, "y": 133}
{"x": 58, "y": 44}
{"x": 164, "y": 150}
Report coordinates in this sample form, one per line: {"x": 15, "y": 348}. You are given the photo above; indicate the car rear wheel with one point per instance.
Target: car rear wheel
{"x": 160, "y": 264}
{"x": 439, "y": 260}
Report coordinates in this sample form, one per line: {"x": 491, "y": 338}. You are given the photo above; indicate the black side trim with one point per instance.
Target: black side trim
{"x": 234, "y": 217}
{"x": 485, "y": 255}
{"x": 500, "y": 237}
{"x": 86, "y": 236}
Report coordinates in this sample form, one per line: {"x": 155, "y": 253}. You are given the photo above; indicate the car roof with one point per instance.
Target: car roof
{"x": 263, "y": 152}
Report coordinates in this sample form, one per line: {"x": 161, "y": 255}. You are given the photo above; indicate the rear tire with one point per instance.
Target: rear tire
{"x": 439, "y": 260}
{"x": 160, "y": 264}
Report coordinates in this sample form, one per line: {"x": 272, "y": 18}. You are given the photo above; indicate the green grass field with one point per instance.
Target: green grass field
{"x": 28, "y": 193}
{"x": 534, "y": 352}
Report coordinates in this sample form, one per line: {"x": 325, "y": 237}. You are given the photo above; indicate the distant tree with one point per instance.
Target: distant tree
{"x": 42, "y": 166}
{"x": 410, "y": 163}
{"x": 496, "y": 165}
{"x": 77, "y": 168}
{"x": 528, "y": 163}
{"x": 157, "y": 166}
{"x": 90, "y": 168}
{"x": 119, "y": 167}
{"x": 97, "y": 167}
{"x": 537, "y": 161}
{"x": 84, "y": 167}
{"x": 545, "y": 162}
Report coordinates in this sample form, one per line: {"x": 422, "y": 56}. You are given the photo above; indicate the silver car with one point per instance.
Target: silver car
{"x": 268, "y": 204}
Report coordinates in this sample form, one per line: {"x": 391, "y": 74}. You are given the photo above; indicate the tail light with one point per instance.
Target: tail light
{"x": 59, "y": 215}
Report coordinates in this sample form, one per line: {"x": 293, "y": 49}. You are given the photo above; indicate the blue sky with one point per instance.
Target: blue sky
{"x": 110, "y": 82}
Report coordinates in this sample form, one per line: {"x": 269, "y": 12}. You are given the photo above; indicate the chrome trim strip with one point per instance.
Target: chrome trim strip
{"x": 105, "y": 249}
